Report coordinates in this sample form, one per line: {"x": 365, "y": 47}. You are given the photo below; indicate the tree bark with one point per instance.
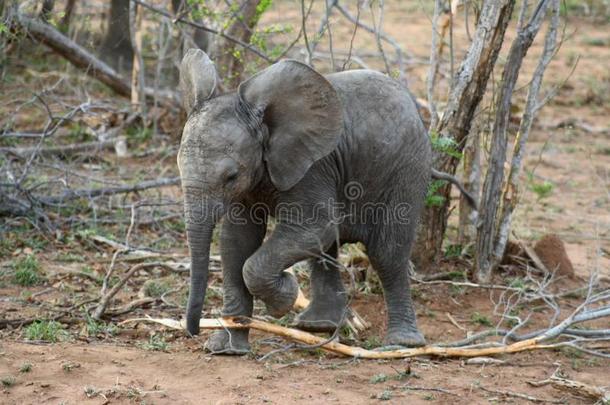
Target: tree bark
{"x": 47, "y": 9}
{"x": 485, "y": 259}
{"x": 116, "y": 47}
{"x": 472, "y": 183}
{"x": 468, "y": 90}
{"x": 68, "y": 12}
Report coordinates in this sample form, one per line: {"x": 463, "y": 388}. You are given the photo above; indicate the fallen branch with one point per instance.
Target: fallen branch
{"x": 345, "y": 350}
{"x": 83, "y": 59}
{"x": 105, "y": 300}
{"x": 63, "y": 150}
{"x": 140, "y": 302}
{"x": 140, "y": 253}
{"x": 575, "y": 387}
{"x": 521, "y": 396}
{"x": 76, "y": 273}
{"x": 433, "y": 389}
{"x": 96, "y": 192}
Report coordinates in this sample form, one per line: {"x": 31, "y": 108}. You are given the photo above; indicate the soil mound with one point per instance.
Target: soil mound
{"x": 552, "y": 253}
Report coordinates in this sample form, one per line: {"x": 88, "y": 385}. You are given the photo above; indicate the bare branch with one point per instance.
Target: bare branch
{"x": 181, "y": 19}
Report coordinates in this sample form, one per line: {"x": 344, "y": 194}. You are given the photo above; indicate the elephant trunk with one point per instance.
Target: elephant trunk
{"x": 200, "y": 216}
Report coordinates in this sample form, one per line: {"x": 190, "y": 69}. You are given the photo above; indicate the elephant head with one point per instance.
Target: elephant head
{"x": 277, "y": 124}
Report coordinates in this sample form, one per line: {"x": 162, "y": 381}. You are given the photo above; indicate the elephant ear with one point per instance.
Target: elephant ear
{"x": 303, "y": 114}
{"x": 197, "y": 78}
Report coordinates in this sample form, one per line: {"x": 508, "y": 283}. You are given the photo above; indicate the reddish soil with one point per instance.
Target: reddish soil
{"x": 183, "y": 376}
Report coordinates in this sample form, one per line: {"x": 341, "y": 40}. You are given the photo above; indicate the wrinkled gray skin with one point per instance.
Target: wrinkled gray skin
{"x": 291, "y": 135}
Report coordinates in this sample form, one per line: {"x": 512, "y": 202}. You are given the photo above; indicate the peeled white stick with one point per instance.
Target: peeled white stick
{"x": 242, "y": 322}
{"x": 301, "y": 303}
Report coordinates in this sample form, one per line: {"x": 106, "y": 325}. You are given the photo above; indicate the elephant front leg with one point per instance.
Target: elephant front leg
{"x": 238, "y": 241}
{"x": 264, "y": 271}
{"x": 328, "y": 296}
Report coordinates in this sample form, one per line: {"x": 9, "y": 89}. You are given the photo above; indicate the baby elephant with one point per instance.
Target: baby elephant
{"x": 333, "y": 159}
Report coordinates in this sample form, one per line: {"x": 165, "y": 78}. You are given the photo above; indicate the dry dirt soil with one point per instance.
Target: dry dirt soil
{"x": 139, "y": 363}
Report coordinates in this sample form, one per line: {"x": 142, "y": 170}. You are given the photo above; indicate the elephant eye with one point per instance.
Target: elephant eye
{"x": 231, "y": 176}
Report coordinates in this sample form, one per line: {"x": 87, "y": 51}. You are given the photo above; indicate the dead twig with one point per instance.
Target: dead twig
{"x": 454, "y": 322}
{"x": 140, "y": 302}
{"x": 521, "y": 396}
{"x": 181, "y": 19}
{"x": 63, "y": 150}
{"x": 105, "y": 299}
{"x": 433, "y": 389}
{"x": 575, "y": 387}
{"x": 96, "y": 192}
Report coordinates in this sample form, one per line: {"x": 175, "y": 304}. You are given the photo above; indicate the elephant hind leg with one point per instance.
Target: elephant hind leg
{"x": 389, "y": 256}
{"x": 328, "y": 296}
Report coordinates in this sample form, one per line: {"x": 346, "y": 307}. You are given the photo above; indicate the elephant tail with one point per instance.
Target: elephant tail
{"x": 446, "y": 176}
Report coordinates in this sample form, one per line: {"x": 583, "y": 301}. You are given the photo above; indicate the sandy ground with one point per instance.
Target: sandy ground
{"x": 124, "y": 374}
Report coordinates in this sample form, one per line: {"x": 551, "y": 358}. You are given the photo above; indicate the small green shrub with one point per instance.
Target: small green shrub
{"x": 27, "y": 271}
{"x": 445, "y": 145}
{"x": 453, "y": 251}
{"x": 139, "y": 134}
{"x": 96, "y": 328}
{"x": 70, "y": 258}
{"x": 480, "y": 319}
{"x": 456, "y": 290}
{"x": 372, "y": 342}
{"x": 155, "y": 343}
{"x": 68, "y": 366}
{"x": 155, "y": 289}
{"x": 517, "y": 283}
{"x": 25, "y": 367}
{"x": 8, "y": 381}
{"x": 386, "y": 395}
{"x": 379, "y": 378}
{"x": 542, "y": 189}
{"x": 432, "y": 198}
{"x": 46, "y": 331}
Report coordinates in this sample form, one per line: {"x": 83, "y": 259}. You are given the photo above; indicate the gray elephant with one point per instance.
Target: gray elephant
{"x": 333, "y": 159}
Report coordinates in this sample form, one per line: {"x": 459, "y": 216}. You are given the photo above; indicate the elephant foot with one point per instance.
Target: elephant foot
{"x": 282, "y": 301}
{"x": 231, "y": 341}
{"x": 320, "y": 318}
{"x": 405, "y": 337}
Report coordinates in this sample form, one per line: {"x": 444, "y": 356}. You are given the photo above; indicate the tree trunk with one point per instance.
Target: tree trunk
{"x": 472, "y": 183}
{"x": 68, "y": 12}
{"x": 468, "y": 90}
{"x": 510, "y": 195}
{"x": 485, "y": 259}
{"x": 116, "y": 47}
{"x": 229, "y": 59}
{"x": 47, "y": 9}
